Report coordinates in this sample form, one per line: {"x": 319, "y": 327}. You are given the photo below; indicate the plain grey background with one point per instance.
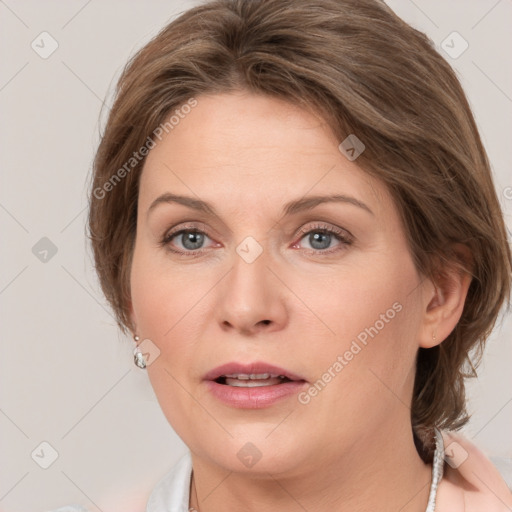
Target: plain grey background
{"x": 67, "y": 375}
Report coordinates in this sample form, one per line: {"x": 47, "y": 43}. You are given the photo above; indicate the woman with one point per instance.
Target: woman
{"x": 293, "y": 214}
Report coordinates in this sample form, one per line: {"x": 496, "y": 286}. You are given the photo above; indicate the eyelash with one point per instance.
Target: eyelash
{"x": 343, "y": 236}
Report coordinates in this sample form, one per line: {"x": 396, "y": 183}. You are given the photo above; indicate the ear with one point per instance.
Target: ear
{"x": 445, "y": 296}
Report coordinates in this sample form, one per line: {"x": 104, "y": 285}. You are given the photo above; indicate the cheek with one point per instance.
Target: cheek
{"x": 173, "y": 310}
{"x": 161, "y": 294}
{"x": 371, "y": 317}
{"x": 163, "y": 301}
{"x": 369, "y": 361}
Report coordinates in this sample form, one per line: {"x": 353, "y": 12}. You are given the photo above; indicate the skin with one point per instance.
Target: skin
{"x": 351, "y": 446}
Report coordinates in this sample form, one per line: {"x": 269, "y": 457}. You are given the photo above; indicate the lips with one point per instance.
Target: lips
{"x": 254, "y": 371}
{"x": 252, "y": 386}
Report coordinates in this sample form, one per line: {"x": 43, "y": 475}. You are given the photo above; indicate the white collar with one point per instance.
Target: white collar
{"x": 172, "y": 492}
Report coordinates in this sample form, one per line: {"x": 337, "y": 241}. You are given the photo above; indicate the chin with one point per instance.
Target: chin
{"x": 258, "y": 453}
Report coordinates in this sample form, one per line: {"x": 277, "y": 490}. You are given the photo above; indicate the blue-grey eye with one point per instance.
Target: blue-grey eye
{"x": 319, "y": 240}
{"x": 192, "y": 240}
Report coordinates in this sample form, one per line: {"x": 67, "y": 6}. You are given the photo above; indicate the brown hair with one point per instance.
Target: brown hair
{"x": 368, "y": 73}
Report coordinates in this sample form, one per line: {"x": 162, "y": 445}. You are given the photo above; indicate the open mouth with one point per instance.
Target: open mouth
{"x": 252, "y": 380}
{"x": 252, "y": 385}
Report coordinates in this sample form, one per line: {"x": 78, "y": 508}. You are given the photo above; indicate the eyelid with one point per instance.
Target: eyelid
{"x": 344, "y": 234}
{"x": 190, "y": 226}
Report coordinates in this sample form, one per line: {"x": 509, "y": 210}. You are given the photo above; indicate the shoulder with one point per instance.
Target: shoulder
{"x": 471, "y": 483}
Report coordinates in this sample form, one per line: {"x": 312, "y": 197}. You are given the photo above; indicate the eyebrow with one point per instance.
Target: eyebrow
{"x": 290, "y": 208}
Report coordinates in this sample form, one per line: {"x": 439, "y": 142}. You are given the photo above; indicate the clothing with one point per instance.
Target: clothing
{"x": 172, "y": 492}
{"x": 463, "y": 480}
{"x": 473, "y": 486}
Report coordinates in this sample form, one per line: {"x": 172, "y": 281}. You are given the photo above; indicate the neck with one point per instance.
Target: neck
{"x": 384, "y": 474}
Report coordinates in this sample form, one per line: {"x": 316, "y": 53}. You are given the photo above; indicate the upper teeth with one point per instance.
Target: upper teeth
{"x": 247, "y": 376}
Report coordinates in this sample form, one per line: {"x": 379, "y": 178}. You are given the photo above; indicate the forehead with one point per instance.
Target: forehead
{"x": 251, "y": 149}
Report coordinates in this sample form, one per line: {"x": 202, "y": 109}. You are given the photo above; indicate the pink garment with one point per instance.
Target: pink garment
{"x": 470, "y": 481}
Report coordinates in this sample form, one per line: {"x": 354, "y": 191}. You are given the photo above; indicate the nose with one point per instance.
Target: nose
{"x": 252, "y": 298}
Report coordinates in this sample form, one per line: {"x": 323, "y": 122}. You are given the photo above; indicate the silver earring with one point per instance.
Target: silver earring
{"x": 138, "y": 357}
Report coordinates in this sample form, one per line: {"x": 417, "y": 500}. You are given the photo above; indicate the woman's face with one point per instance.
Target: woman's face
{"x": 324, "y": 289}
